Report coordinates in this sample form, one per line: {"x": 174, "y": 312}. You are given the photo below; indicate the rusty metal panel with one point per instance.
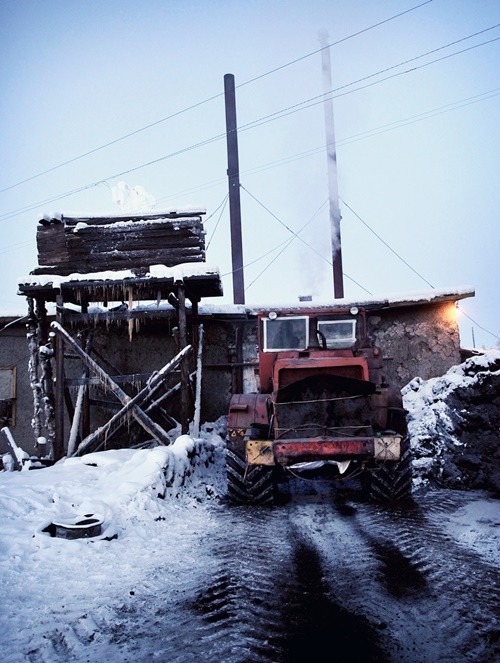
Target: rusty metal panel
{"x": 288, "y": 452}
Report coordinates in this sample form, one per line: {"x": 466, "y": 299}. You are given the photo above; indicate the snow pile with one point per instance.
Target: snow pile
{"x": 55, "y": 587}
{"x": 118, "y": 486}
{"x": 454, "y": 425}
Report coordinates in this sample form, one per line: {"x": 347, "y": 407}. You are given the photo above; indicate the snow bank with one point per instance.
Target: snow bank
{"x": 49, "y": 584}
{"x": 454, "y": 425}
{"x": 116, "y": 485}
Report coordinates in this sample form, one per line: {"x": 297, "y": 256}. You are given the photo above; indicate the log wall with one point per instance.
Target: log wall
{"x": 68, "y": 245}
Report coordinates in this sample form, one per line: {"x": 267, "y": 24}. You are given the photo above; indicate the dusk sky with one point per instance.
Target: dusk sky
{"x": 99, "y": 92}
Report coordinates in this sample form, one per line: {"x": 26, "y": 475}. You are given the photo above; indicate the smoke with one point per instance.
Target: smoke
{"x": 331, "y": 150}
{"x": 132, "y": 199}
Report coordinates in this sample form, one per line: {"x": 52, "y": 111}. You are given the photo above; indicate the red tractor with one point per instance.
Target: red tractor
{"x": 323, "y": 402}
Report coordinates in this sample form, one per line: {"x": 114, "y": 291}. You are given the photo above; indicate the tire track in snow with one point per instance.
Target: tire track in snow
{"x": 454, "y": 614}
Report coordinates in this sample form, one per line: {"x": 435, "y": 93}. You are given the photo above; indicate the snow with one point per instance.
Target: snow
{"x": 191, "y": 209}
{"x": 137, "y": 224}
{"x": 177, "y": 273}
{"x": 148, "y": 499}
{"x": 381, "y": 301}
{"x": 439, "y": 414}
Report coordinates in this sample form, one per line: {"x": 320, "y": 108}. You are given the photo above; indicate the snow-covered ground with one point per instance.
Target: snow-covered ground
{"x": 454, "y": 425}
{"x": 151, "y": 502}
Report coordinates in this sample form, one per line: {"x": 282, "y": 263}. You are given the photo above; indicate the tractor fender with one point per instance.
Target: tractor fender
{"x": 247, "y": 411}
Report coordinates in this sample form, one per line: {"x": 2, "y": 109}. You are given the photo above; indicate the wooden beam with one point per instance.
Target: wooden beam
{"x": 144, "y": 394}
{"x": 181, "y": 296}
{"x": 59, "y": 391}
{"x": 146, "y": 422}
{"x": 197, "y": 402}
{"x": 75, "y": 423}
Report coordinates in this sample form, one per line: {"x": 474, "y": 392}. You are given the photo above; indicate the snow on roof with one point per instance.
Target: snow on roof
{"x": 177, "y": 273}
{"x": 374, "y": 302}
{"x": 194, "y": 210}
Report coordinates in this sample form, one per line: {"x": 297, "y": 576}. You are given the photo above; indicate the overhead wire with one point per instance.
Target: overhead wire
{"x": 369, "y": 133}
{"x": 300, "y": 238}
{"x": 386, "y": 244}
{"x": 303, "y": 105}
{"x": 223, "y": 205}
{"x": 321, "y": 98}
{"x": 285, "y": 245}
{"x": 213, "y": 97}
{"x": 477, "y": 324}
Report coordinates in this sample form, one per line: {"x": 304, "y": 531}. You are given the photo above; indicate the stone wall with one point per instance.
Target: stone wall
{"x": 416, "y": 341}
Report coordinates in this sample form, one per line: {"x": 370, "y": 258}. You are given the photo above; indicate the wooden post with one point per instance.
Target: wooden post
{"x": 33, "y": 369}
{"x": 181, "y": 296}
{"x": 199, "y": 366}
{"x": 75, "y": 424}
{"x": 233, "y": 174}
{"x": 46, "y": 372}
{"x": 59, "y": 386}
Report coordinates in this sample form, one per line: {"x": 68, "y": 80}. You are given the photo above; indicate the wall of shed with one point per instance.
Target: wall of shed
{"x": 419, "y": 341}
{"x": 415, "y": 341}
{"x": 14, "y": 352}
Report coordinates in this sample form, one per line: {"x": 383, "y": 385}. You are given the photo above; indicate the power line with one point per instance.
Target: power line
{"x": 223, "y": 205}
{"x": 375, "y": 131}
{"x": 300, "y": 238}
{"x": 212, "y": 98}
{"x": 285, "y": 246}
{"x": 387, "y": 245}
{"x": 336, "y": 43}
{"x": 478, "y": 325}
{"x": 263, "y": 120}
{"x": 320, "y": 98}
{"x": 461, "y": 103}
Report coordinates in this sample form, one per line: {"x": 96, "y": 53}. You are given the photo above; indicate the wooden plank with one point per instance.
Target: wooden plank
{"x": 193, "y": 215}
{"x": 145, "y": 393}
{"x": 167, "y": 241}
{"x": 146, "y": 422}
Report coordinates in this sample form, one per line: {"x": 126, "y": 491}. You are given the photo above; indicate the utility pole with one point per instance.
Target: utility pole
{"x": 233, "y": 174}
{"x": 331, "y": 153}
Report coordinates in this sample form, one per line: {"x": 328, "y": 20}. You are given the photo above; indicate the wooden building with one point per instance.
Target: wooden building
{"x": 113, "y": 263}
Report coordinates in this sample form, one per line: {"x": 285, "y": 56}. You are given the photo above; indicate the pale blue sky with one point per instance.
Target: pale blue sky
{"x": 418, "y": 153}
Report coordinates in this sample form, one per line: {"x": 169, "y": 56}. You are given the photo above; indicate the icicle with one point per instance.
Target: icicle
{"x": 130, "y": 307}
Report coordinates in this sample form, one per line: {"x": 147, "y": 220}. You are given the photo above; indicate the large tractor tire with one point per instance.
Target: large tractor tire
{"x": 248, "y": 484}
{"x": 391, "y": 482}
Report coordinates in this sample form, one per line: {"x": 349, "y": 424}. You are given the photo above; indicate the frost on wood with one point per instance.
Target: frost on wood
{"x": 89, "y": 244}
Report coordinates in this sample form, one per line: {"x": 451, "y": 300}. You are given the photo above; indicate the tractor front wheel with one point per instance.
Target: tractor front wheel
{"x": 390, "y": 482}
{"x": 248, "y": 484}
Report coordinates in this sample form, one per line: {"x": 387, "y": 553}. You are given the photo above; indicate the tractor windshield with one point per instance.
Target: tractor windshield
{"x": 338, "y": 333}
{"x": 282, "y": 334}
